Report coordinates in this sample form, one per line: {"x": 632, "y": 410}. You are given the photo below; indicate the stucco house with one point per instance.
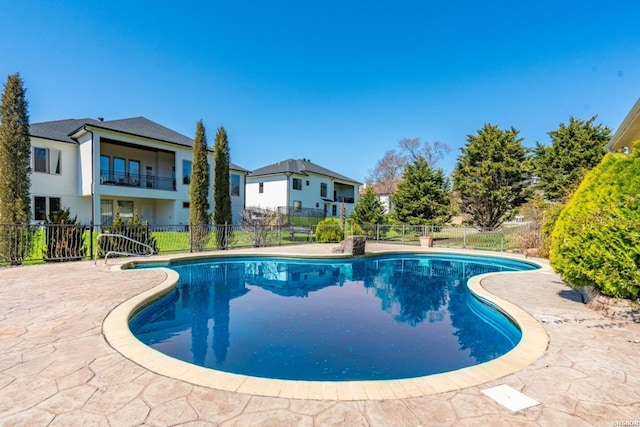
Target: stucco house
{"x": 299, "y": 184}
{"x": 628, "y": 132}
{"x": 95, "y": 167}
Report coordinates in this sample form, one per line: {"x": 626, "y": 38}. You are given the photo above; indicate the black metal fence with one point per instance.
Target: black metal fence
{"x": 57, "y": 243}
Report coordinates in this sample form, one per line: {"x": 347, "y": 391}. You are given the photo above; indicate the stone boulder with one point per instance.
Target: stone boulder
{"x": 353, "y": 245}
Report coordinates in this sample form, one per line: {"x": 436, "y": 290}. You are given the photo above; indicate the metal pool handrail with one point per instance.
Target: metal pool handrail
{"x": 130, "y": 245}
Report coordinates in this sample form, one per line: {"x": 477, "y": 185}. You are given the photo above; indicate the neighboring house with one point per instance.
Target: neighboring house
{"x": 95, "y": 167}
{"x": 628, "y": 132}
{"x": 300, "y": 185}
{"x": 383, "y": 193}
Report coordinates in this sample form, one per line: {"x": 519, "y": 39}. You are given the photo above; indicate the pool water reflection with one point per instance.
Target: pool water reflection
{"x": 385, "y": 317}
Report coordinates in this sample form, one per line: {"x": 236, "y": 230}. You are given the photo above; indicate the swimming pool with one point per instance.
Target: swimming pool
{"x": 382, "y": 317}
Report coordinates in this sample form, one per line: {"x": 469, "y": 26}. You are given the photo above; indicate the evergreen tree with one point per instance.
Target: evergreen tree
{"x": 199, "y": 191}
{"x": 369, "y": 209}
{"x": 221, "y": 187}
{"x": 596, "y": 237}
{"x": 423, "y": 195}
{"x": 575, "y": 149}
{"x": 491, "y": 178}
{"x": 15, "y": 171}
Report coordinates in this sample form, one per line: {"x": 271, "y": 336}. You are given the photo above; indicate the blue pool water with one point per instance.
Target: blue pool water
{"x": 384, "y": 317}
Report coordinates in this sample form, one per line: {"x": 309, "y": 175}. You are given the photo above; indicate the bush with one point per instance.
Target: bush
{"x": 356, "y": 230}
{"x": 64, "y": 237}
{"x": 262, "y": 224}
{"x": 596, "y": 239}
{"x": 329, "y": 230}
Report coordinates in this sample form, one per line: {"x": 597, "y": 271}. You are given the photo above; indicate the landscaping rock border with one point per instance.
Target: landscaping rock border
{"x": 615, "y": 308}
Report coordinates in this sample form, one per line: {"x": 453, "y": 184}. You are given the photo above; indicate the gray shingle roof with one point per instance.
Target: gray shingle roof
{"x": 298, "y": 166}
{"x": 140, "y": 126}
{"x": 60, "y": 130}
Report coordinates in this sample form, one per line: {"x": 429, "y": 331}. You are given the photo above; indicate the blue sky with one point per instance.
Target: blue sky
{"x": 338, "y": 82}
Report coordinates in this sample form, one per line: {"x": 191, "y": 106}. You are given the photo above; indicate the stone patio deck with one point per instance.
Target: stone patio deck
{"x": 57, "y": 369}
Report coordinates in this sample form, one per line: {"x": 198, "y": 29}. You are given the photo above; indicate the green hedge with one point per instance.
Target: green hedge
{"x": 596, "y": 239}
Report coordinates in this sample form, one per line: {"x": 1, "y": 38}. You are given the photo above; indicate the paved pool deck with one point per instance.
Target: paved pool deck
{"x": 57, "y": 368}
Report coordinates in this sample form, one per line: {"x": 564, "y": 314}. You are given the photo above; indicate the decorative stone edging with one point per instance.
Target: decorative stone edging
{"x": 615, "y": 308}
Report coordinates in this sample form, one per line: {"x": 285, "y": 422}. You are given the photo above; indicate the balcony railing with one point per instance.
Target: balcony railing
{"x": 344, "y": 199}
{"x": 108, "y": 177}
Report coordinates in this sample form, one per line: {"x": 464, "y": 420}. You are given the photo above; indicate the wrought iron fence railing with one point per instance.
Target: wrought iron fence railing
{"x": 61, "y": 242}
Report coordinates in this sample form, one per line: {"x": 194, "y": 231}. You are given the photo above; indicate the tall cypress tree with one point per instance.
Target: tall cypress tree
{"x": 199, "y": 190}
{"x": 221, "y": 186}
{"x": 15, "y": 170}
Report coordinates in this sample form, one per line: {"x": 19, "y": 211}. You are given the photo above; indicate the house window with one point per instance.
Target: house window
{"x": 105, "y": 169}
{"x": 261, "y": 187}
{"x": 297, "y": 184}
{"x": 323, "y": 190}
{"x": 40, "y": 205}
{"x": 40, "y": 208}
{"x": 47, "y": 160}
{"x": 334, "y": 210}
{"x": 54, "y": 205}
{"x": 40, "y": 159}
{"x": 297, "y": 205}
{"x": 119, "y": 170}
{"x": 106, "y": 212}
{"x": 134, "y": 172}
{"x": 186, "y": 205}
{"x": 187, "y": 166}
{"x": 186, "y": 172}
{"x": 235, "y": 185}
{"x": 150, "y": 180}
{"x": 125, "y": 208}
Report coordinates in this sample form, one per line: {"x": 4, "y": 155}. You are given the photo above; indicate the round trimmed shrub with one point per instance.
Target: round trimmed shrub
{"x": 596, "y": 238}
{"x": 329, "y": 230}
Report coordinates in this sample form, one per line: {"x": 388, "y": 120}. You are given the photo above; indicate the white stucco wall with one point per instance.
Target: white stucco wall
{"x": 65, "y": 185}
{"x": 238, "y": 202}
{"x": 274, "y": 192}
{"x": 309, "y": 195}
{"x": 82, "y": 163}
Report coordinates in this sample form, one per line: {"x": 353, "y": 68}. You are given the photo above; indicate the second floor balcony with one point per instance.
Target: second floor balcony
{"x": 149, "y": 181}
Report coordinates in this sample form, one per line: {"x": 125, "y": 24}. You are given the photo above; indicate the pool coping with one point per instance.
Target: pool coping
{"x": 531, "y": 347}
